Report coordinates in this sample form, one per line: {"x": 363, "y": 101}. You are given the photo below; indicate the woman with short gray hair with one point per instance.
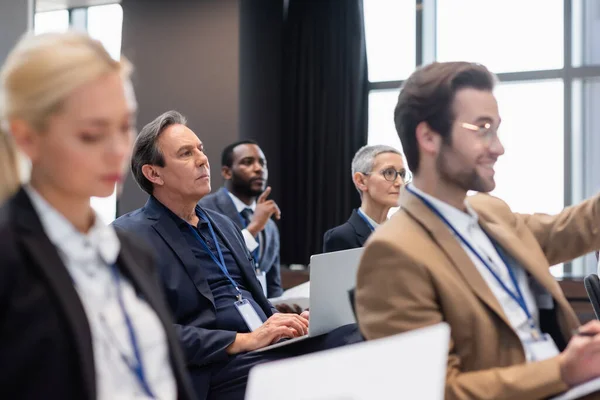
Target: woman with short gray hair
{"x": 378, "y": 172}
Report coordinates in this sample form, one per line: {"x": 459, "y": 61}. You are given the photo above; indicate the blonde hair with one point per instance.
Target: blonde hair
{"x": 9, "y": 171}
{"x": 38, "y": 76}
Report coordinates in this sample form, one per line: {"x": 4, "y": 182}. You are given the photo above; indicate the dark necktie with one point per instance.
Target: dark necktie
{"x": 246, "y": 214}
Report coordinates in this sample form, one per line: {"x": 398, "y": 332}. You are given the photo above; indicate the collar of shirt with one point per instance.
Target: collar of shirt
{"x": 101, "y": 239}
{"x": 371, "y": 220}
{"x": 240, "y": 205}
{"x": 462, "y": 222}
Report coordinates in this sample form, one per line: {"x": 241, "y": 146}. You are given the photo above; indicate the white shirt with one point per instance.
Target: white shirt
{"x": 240, "y": 206}
{"x": 468, "y": 226}
{"x": 88, "y": 258}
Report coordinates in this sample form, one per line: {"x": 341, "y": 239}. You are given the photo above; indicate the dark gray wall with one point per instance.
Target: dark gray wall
{"x": 186, "y": 57}
{"x": 14, "y": 21}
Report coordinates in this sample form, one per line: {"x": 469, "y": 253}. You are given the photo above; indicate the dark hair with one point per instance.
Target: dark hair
{"x": 145, "y": 149}
{"x": 227, "y": 154}
{"x": 428, "y": 95}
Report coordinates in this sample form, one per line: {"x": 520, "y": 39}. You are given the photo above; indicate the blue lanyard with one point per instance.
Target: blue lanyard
{"x": 364, "y": 218}
{"x": 220, "y": 261}
{"x": 518, "y": 296}
{"x": 135, "y": 366}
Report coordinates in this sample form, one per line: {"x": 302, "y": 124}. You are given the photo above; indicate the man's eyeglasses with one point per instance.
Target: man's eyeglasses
{"x": 485, "y": 131}
{"x": 390, "y": 175}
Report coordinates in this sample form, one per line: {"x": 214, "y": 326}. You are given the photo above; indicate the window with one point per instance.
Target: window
{"x": 51, "y": 21}
{"x": 504, "y": 35}
{"x": 532, "y": 116}
{"x": 104, "y": 23}
{"x": 525, "y": 44}
{"x": 586, "y": 32}
{"x": 381, "y": 118}
{"x": 390, "y": 59}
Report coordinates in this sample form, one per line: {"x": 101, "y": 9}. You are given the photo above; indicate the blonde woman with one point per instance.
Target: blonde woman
{"x": 81, "y": 316}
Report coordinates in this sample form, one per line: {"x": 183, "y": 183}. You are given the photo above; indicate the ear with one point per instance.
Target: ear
{"x": 26, "y": 138}
{"x": 360, "y": 181}
{"x": 152, "y": 174}
{"x": 226, "y": 172}
{"x": 429, "y": 141}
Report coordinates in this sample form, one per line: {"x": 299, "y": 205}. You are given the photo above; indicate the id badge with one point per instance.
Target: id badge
{"x": 249, "y": 314}
{"x": 542, "y": 349}
{"x": 262, "y": 278}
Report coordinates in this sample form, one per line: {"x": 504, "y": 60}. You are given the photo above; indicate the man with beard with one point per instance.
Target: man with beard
{"x": 244, "y": 200}
{"x": 473, "y": 263}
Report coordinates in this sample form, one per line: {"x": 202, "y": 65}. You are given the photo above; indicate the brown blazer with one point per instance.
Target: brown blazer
{"x": 414, "y": 273}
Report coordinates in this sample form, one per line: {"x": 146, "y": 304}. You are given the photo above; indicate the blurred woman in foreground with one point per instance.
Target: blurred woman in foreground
{"x": 80, "y": 314}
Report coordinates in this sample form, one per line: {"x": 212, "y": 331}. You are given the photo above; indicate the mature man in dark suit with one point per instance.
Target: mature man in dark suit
{"x": 208, "y": 276}
{"x": 244, "y": 200}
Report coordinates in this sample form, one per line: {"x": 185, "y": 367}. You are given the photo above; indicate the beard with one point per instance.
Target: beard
{"x": 466, "y": 178}
{"x": 243, "y": 187}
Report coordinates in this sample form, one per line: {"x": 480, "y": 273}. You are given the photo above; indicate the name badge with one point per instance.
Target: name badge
{"x": 541, "y": 349}
{"x": 249, "y": 314}
{"x": 262, "y": 278}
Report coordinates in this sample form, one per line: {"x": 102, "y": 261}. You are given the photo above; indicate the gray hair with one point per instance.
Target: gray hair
{"x": 145, "y": 149}
{"x": 365, "y": 158}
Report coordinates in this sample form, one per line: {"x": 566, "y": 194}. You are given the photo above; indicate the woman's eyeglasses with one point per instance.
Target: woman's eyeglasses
{"x": 390, "y": 175}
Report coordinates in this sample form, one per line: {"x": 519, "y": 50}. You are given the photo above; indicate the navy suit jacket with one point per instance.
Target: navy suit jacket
{"x": 187, "y": 291}
{"x": 350, "y": 235}
{"x": 269, "y": 253}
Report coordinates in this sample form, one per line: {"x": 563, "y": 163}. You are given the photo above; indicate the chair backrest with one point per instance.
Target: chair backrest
{"x": 592, "y": 287}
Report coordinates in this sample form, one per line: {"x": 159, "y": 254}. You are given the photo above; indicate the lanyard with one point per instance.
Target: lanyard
{"x": 364, "y": 218}
{"x": 135, "y": 366}
{"x": 219, "y": 261}
{"x": 516, "y": 296}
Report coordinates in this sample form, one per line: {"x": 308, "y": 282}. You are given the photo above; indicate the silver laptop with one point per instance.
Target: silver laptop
{"x": 332, "y": 275}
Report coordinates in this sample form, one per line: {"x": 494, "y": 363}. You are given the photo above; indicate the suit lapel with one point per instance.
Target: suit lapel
{"x": 453, "y": 250}
{"x": 226, "y": 207}
{"x": 363, "y": 231}
{"x": 46, "y": 259}
{"x": 171, "y": 234}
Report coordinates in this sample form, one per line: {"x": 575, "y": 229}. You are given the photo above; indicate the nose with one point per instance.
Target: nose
{"x": 496, "y": 146}
{"x": 120, "y": 147}
{"x": 201, "y": 158}
{"x": 257, "y": 166}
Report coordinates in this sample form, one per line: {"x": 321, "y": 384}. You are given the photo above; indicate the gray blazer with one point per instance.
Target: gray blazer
{"x": 269, "y": 252}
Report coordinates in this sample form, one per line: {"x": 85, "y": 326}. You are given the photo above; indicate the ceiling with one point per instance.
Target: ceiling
{"x": 51, "y": 5}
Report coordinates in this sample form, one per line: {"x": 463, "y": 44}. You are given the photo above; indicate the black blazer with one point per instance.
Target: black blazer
{"x": 187, "y": 290}
{"x": 350, "y": 235}
{"x": 45, "y": 340}
{"x": 269, "y": 254}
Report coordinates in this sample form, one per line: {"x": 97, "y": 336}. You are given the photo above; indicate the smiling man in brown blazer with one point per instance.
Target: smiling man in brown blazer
{"x": 473, "y": 263}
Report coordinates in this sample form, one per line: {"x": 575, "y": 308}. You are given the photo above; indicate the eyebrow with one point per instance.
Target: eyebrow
{"x": 103, "y": 122}
{"x": 389, "y": 166}
{"x": 487, "y": 119}
{"x": 190, "y": 147}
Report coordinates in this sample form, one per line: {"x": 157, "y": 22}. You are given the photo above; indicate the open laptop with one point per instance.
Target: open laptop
{"x": 332, "y": 275}
{"x": 409, "y": 365}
